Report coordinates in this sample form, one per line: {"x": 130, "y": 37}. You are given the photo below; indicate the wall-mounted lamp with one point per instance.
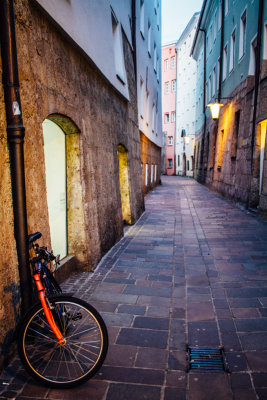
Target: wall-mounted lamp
{"x": 215, "y": 107}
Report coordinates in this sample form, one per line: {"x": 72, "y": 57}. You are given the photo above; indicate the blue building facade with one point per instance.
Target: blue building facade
{"x": 230, "y": 47}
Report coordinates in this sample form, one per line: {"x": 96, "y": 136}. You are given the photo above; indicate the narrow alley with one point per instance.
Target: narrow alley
{"x": 192, "y": 271}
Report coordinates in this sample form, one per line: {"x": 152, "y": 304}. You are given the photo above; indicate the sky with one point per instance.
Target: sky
{"x": 175, "y": 16}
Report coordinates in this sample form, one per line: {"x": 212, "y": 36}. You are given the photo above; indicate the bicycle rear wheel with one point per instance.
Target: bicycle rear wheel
{"x": 75, "y": 361}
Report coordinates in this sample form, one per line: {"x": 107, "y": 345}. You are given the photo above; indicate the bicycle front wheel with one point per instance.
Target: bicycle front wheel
{"x": 82, "y": 352}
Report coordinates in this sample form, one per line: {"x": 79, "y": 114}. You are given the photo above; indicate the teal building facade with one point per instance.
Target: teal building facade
{"x": 230, "y": 47}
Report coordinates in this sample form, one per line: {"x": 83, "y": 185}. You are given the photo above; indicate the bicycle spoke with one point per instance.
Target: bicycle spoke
{"x": 78, "y": 357}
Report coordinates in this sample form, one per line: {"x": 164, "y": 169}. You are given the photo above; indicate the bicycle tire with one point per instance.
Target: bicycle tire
{"x": 70, "y": 364}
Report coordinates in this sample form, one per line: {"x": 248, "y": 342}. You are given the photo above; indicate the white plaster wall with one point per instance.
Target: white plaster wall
{"x": 88, "y": 23}
{"x": 145, "y": 71}
{"x": 186, "y": 96}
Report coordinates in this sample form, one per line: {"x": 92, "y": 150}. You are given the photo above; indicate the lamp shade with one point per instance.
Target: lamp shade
{"x": 215, "y": 109}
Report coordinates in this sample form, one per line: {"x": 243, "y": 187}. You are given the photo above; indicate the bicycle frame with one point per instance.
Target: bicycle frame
{"x": 47, "y": 311}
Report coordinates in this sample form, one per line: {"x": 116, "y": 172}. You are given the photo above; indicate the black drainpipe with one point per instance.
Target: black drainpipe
{"x": 220, "y": 82}
{"x": 257, "y": 78}
{"x": 134, "y": 36}
{"x": 15, "y": 138}
{"x": 221, "y": 55}
{"x": 202, "y": 177}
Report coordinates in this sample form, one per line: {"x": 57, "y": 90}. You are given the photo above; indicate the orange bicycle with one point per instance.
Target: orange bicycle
{"x": 63, "y": 340}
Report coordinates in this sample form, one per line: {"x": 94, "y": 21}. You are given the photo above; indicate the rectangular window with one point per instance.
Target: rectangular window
{"x": 174, "y": 85}
{"x": 213, "y": 81}
{"x": 158, "y": 68}
{"x": 173, "y": 116}
{"x": 218, "y": 73}
{"x": 152, "y": 174}
{"x": 188, "y": 165}
{"x": 209, "y": 87}
{"x": 252, "y": 60}
{"x": 155, "y": 177}
{"x": 155, "y": 57}
{"x": 215, "y": 27}
{"x": 173, "y": 62}
{"x": 167, "y": 87}
{"x": 178, "y": 161}
{"x": 166, "y": 118}
{"x": 170, "y": 140}
{"x": 220, "y": 16}
{"x": 169, "y": 163}
{"x": 153, "y": 118}
{"x": 166, "y": 64}
{"x": 235, "y": 135}
{"x": 149, "y": 39}
{"x": 226, "y": 7}
{"x": 141, "y": 98}
{"x": 147, "y": 108}
{"x": 225, "y": 56}
{"x": 211, "y": 38}
{"x": 142, "y": 18}
{"x": 118, "y": 48}
{"x": 232, "y": 52}
{"x": 265, "y": 43}
{"x": 242, "y": 37}
{"x": 146, "y": 176}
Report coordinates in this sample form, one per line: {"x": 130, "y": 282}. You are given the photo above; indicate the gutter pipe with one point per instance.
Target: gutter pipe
{"x": 15, "y": 139}
{"x": 257, "y": 78}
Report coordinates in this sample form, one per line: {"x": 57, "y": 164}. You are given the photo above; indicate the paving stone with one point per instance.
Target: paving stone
{"x": 143, "y": 338}
{"x": 236, "y": 361}
{"x": 254, "y": 341}
{"x": 151, "y": 323}
{"x": 147, "y": 291}
{"x": 251, "y": 325}
{"x": 171, "y": 393}
{"x": 131, "y": 375}
{"x": 203, "y": 334}
{"x": 131, "y": 309}
{"x": 209, "y": 386}
{"x": 176, "y": 379}
{"x": 119, "y": 391}
{"x": 241, "y": 380}
{"x": 257, "y": 360}
{"x": 151, "y": 358}
{"x": 247, "y": 312}
{"x": 200, "y": 312}
{"x": 153, "y": 311}
{"x": 92, "y": 389}
{"x": 114, "y": 356}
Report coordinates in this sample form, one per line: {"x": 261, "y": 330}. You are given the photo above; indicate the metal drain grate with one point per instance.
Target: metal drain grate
{"x": 206, "y": 359}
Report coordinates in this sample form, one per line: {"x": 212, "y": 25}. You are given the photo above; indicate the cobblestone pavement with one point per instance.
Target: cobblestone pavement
{"x": 192, "y": 271}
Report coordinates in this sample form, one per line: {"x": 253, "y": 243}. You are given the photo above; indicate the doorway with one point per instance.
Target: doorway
{"x": 263, "y": 127}
{"x": 124, "y": 185}
{"x": 55, "y": 167}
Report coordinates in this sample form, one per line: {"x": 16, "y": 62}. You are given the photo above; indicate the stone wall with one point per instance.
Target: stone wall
{"x": 9, "y": 277}
{"x": 223, "y": 152}
{"x": 58, "y": 82}
{"x": 150, "y": 155}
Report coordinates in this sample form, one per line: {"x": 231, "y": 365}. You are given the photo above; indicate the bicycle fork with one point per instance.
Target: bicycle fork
{"x": 47, "y": 310}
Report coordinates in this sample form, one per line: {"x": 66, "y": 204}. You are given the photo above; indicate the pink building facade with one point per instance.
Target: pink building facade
{"x": 169, "y": 105}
